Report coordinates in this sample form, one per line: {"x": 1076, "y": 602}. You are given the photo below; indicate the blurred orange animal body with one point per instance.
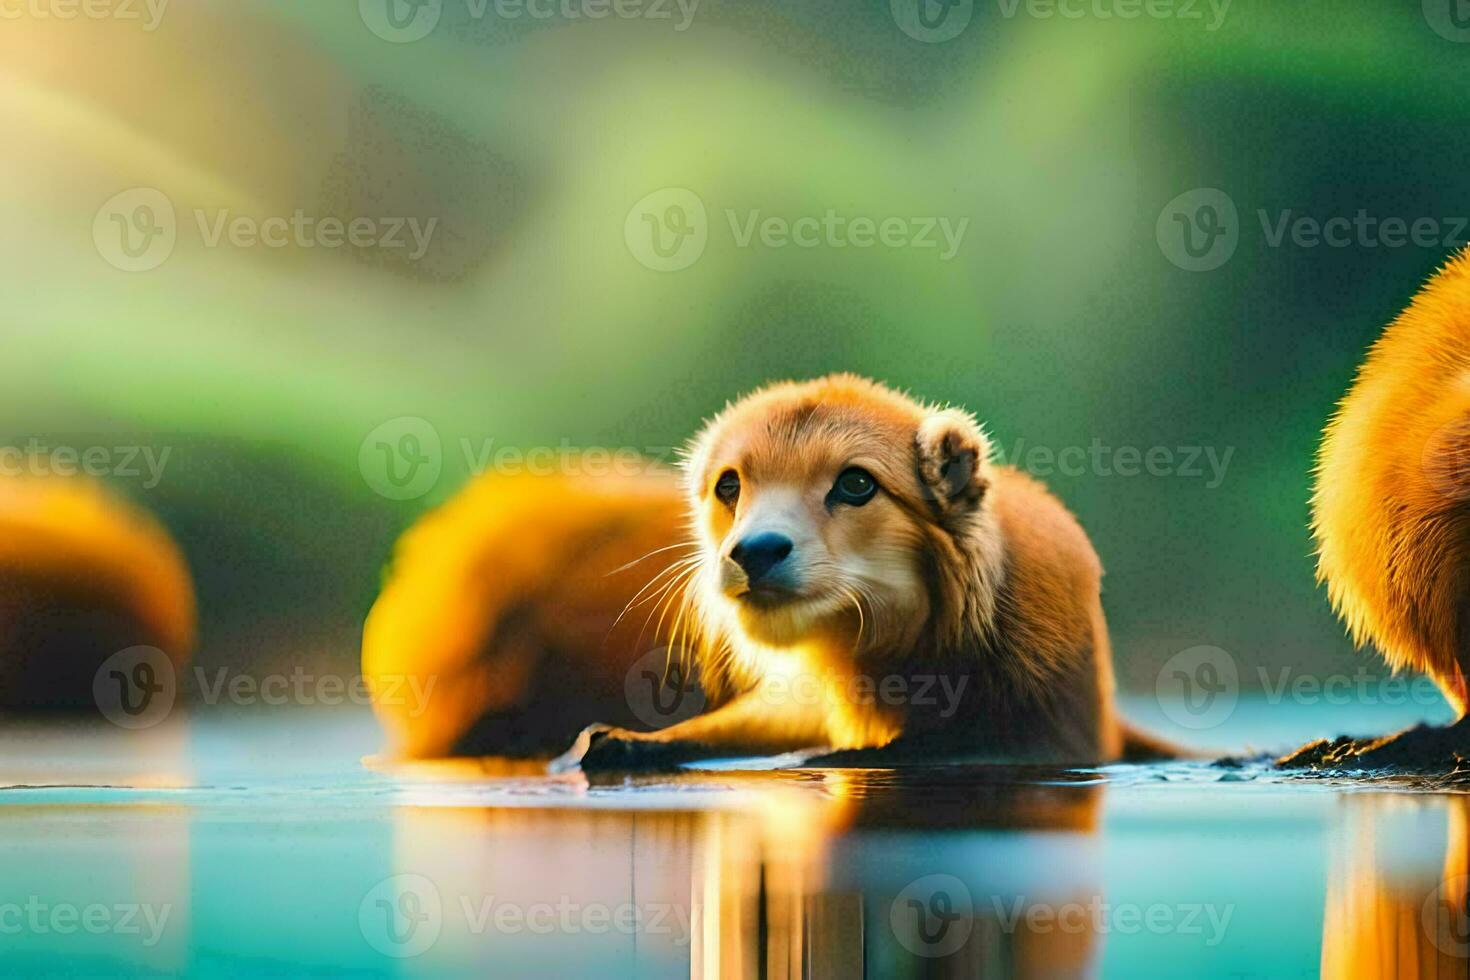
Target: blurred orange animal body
{"x": 83, "y": 575}
{"x": 502, "y": 626}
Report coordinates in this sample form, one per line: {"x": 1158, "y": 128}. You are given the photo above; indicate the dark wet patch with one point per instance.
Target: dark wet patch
{"x": 1425, "y": 757}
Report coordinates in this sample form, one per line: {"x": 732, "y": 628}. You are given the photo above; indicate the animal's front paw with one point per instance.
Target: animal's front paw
{"x": 573, "y": 757}
{"x": 603, "y": 748}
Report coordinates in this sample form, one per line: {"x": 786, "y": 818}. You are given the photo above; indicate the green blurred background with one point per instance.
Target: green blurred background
{"x": 1064, "y": 318}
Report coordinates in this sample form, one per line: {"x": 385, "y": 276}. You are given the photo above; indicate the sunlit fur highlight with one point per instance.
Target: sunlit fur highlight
{"x": 928, "y": 577}
{"x": 1391, "y": 510}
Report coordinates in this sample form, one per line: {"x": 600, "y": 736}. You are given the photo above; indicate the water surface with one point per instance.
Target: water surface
{"x": 227, "y": 844}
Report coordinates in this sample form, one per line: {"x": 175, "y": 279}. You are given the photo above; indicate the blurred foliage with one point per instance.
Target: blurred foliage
{"x": 530, "y": 322}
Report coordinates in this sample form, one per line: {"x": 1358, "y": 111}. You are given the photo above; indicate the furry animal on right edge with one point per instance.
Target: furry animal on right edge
{"x": 1391, "y": 509}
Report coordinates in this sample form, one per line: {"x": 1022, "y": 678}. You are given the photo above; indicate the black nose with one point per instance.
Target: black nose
{"x": 760, "y": 553}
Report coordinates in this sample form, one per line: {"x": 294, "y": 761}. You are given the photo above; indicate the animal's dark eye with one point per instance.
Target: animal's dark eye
{"x": 727, "y": 487}
{"x": 855, "y": 486}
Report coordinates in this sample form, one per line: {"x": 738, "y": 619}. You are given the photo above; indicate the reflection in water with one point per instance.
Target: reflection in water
{"x": 1397, "y": 889}
{"x": 261, "y": 847}
{"x": 837, "y": 873}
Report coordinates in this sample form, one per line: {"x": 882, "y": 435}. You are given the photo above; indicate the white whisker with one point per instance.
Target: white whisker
{"x": 655, "y": 551}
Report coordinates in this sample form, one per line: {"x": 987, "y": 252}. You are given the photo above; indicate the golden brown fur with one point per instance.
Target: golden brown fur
{"x": 506, "y": 624}
{"x": 1391, "y": 512}
{"x": 955, "y": 569}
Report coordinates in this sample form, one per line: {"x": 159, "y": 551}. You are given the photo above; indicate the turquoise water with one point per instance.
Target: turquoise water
{"x": 230, "y": 844}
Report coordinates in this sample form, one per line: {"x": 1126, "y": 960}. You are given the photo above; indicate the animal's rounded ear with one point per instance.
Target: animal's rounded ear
{"x": 953, "y": 462}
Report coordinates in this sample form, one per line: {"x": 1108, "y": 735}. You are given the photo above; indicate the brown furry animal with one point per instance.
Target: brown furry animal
{"x": 1391, "y": 511}
{"x": 870, "y": 580}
